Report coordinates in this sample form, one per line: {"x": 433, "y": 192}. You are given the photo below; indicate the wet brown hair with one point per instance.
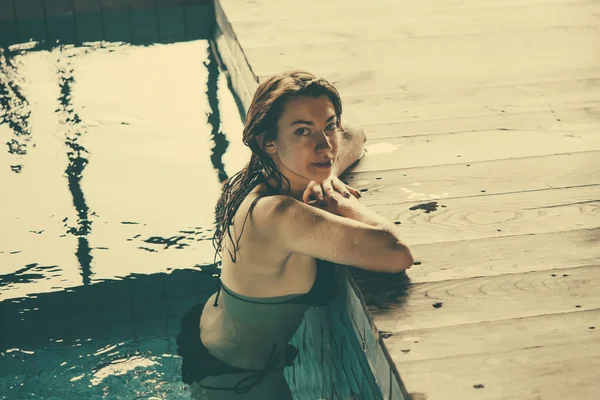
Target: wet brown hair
{"x": 262, "y": 117}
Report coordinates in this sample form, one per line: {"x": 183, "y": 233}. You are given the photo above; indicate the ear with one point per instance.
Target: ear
{"x": 269, "y": 146}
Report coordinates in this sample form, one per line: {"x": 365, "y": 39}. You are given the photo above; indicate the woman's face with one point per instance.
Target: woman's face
{"x": 306, "y": 134}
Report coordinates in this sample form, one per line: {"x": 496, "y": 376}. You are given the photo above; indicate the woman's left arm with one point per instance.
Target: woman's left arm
{"x": 350, "y": 148}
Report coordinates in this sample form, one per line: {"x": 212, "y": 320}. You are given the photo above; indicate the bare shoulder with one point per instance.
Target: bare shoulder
{"x": 266, "y": 210}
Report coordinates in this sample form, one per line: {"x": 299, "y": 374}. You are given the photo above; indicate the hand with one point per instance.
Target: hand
{"x": 338, "y": 204}
{"x": 327, "y": 188}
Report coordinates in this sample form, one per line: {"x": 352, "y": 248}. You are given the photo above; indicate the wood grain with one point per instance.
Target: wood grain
{"x": 469, "y": 147}
{"x": 433, "y": 78}
{"x": 475, "y": 101}
{"x": 536, "y": 120}
{"x": 480, "y": 217}
{"x": 468, "y": 179}
{"x": 496, "y": 256}
{"x": 280, "y": 32}
{"x": 510, "y": 50}
{"x": 478, "y": 299}
{"x": 251, "y": 10}
{"x": 491, "y": 337}
{"x": 569, "y": 370}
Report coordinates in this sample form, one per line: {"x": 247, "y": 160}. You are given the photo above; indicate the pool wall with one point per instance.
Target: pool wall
{"x": 78, "y": 21}
{"x": 339, "y": 357}
{"x": 340, "y": 350}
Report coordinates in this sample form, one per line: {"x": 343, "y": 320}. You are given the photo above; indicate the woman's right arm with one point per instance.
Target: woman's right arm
{"x": 357, "y": 236}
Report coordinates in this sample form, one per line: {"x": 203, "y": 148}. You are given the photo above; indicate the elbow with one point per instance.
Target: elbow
{"x": 393, "y": 257}
{"x": 404, "y": 259}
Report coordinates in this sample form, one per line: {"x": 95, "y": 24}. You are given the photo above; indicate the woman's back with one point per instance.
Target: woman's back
{"x": 261, "y": 268}
{"x": 263, "y": 295}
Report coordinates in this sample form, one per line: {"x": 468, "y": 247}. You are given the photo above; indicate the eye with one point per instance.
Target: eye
{"x": 331, "y": 126}
{"x": 299, "y": 131}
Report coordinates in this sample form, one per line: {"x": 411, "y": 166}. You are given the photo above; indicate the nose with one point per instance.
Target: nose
{"x": 324, "y": 141}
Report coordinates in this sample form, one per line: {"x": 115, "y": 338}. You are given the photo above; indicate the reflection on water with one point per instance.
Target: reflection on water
{"x": 109, "y": 339}
{"x": 14, "y": 108}
{"x": 214, "y": 117}
{"x": 78, "y": 159}
{"x": 126, "y": 156}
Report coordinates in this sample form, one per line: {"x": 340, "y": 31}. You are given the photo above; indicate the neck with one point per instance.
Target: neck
{"x": 296, "y": 189}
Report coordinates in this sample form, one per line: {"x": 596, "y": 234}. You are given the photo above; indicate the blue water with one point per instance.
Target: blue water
{"x": 112, "y": 161}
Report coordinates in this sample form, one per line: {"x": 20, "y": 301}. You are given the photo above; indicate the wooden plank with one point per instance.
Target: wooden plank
{"x": 494, "y": 256}
{"x": 468, "y": 179}
{"x": 280, "y": 31}
{"x": 407, "y": 307}
{"x": 493, "y": 50}
{"x": 433, "y": 78}
{"x": 405, "y": 112}
{"x": 471, "y": 101}
{"x": 481, "y": 217}
{"x": 491, "y": 337}
{"x": 249, "y": 10}
{"x": 556, "y": 372}
{"x": 469, "y": 147}
{"x": 540, "y": 120}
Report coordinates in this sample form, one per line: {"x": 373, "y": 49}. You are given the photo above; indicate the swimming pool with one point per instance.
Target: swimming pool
{"x": 119, "y": 126}
{"x": 113, "y": 160}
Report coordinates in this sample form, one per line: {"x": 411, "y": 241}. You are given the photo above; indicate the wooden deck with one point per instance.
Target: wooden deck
{"x": 483, "y": 119}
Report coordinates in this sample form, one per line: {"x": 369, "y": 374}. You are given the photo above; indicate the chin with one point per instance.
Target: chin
{"x": 320, "y": 175}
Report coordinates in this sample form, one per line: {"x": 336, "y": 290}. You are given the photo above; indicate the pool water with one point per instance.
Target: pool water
{"x": 111, "y": 166}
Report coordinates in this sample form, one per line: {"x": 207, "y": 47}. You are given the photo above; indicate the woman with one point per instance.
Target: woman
{"x": 276, "y": 270}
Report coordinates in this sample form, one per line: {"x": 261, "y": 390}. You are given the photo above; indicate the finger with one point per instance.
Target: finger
{"x": 355, "y": 192}
{"x": 306, "y": 194}
{"x": 318, "y": 191}
{"x": 329, "y": 189}
{"x": 341, "y": 187}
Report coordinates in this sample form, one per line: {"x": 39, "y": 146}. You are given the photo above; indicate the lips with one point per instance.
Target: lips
{"x": 326, "y": 163}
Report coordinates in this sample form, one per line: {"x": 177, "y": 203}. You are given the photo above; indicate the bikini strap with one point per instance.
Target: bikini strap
{"x": 255, "y": 380}
{"x": 216, "y": 304}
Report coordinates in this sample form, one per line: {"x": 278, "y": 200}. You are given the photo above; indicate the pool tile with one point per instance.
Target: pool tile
{"x": 199, "y": 21}
{"x": 88, "y": 27}
{"x": 371, "y": 345}
{"x": 382, "y": 372}
{"x": 171, "y": 24}
{"x": 9, "y": 33}
{"x": 144, "y": 26}
{"x": 31, "y": 29}
{"x": 30, "y": 9}
{"x": 58, "y": 7}
{"x": 61, "y": 29}
{"x": 7, "y": 10}
{"x": 85, "y": 6}
{"x": 116, "y": 25}
{"x": 397, "y": 393}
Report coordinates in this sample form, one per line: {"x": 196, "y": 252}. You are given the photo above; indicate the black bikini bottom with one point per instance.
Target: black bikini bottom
{"x": 198, "y": 363}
